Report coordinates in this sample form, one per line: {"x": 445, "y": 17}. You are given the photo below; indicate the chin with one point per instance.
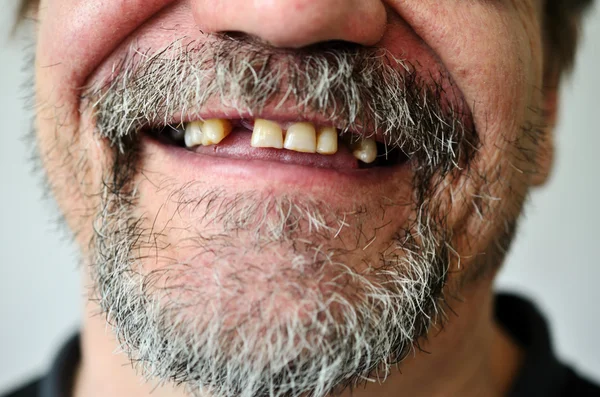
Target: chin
{"x": 235, "y": 290}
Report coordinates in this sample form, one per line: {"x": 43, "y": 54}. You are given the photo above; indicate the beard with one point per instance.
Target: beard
{"x": 272, "y": 295}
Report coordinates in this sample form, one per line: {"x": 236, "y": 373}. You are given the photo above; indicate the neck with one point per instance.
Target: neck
{"x": 469, "y": 356}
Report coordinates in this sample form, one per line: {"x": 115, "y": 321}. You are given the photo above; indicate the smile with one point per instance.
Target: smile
{"x": 300, "y": 143}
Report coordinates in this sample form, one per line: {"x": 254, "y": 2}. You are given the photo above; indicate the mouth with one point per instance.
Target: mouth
{"x": 301, "y": 143}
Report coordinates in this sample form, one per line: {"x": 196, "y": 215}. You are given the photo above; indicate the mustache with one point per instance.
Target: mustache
{"x": 361, "y": 90}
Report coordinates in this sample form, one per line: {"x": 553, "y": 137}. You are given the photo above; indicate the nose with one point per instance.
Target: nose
{"x": 295, "y": 23}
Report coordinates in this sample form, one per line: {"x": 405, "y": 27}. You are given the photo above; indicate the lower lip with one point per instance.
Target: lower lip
{"x": 270, "y": 167}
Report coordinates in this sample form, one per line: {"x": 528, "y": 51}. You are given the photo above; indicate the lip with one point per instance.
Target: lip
{"x": 237, "y": 145}
{"x": 190, "y": 165}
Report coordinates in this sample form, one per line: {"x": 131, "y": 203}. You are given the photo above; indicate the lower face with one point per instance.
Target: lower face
{"x": 263, "y": 253}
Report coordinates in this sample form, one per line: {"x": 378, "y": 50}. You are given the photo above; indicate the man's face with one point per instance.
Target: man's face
{"x": 234, "y": 265}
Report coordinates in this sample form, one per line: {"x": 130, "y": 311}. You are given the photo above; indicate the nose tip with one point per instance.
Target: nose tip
{"x": 295, "y": 23}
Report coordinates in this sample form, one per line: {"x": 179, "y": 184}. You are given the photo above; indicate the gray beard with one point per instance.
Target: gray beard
{"x": 321, "y": 323}
{"x": 302, "y": 320}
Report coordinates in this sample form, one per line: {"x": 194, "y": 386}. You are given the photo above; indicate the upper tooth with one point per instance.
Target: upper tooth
{"x": 267, "y": 134}
{"x": 215, "y": 130}
{"x": 327, "y": 141}
{"x": 301, "y": 137}
{"x": 365, "y": 150}
{"x": 193, "y": 134}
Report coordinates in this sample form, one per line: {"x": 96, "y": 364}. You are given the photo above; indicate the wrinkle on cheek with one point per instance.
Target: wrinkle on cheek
{"x": 77, "y": 35}
{"x": 489, "y": 49}
{"x": 73, "y": 37}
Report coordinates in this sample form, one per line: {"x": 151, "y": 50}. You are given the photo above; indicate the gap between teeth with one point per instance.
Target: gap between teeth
{"x": 300, "y": 137}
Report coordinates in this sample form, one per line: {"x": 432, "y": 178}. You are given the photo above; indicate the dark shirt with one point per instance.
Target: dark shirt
{"x": 541, "y": 375}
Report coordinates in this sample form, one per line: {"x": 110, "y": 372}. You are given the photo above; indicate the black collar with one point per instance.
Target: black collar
{"x": 59, "y": 381}
{"x": 541, "y": 373}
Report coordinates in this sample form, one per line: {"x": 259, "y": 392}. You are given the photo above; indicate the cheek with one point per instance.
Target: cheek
{"x": 491, "y": 49}
{"x": 493, "y": 52}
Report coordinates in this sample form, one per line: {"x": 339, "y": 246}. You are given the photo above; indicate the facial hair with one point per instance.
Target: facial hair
{"x": 320, "y": 323}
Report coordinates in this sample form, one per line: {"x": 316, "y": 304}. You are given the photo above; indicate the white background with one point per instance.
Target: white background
{"x": 555, "y": 260}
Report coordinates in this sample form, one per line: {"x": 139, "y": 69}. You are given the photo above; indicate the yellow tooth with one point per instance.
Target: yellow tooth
{"x": 267, "y": 134}
{"x": 193, "y": 134}
{"x": 365, "y": 150}
{"x": 327, "y": 141}
{"x": 301, "y": 137}
{"x": 215, "y": 130}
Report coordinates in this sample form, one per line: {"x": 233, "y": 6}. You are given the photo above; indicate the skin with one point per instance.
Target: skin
{"x": 492, "y": 50}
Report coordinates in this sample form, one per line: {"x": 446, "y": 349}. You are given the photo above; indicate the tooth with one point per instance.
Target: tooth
{"x": 215, "y": 130}
{"x": 193, "y": 134}
{"x": 365, "y": 150}
{"x": 327, "y": 141}
{"x": 267, "y": 134}
{"x": 301, "y": 137}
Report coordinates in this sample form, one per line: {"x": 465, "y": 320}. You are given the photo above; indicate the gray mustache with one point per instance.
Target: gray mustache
{"x": 360, "y": 90}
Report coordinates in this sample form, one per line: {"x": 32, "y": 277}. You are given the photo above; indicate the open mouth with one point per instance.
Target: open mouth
{"x": 299, "y": 143}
